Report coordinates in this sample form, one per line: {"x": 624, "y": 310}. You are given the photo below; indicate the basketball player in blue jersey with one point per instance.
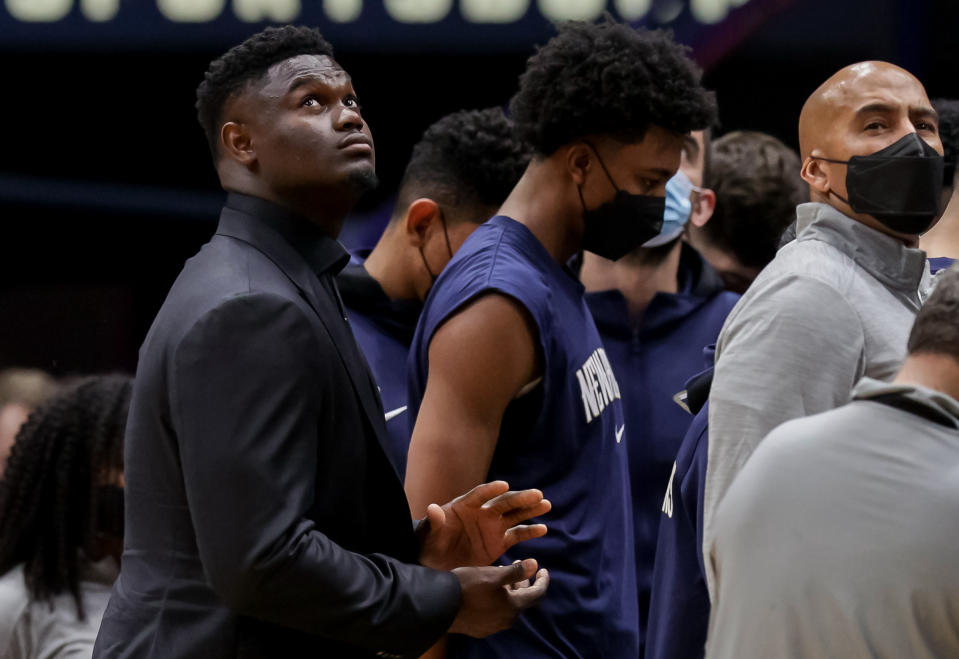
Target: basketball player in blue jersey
{"x": 460, "y": 172}
{"x": 508, "y": 376}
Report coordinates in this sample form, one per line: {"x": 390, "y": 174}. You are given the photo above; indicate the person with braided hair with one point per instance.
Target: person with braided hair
{"x": 61, "y": 520}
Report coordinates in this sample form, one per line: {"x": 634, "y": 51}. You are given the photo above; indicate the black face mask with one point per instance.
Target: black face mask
{"x": 623, "y": 223}
{"x": 901, "y": 185}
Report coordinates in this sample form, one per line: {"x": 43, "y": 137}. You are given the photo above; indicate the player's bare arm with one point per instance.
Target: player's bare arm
{"x": 479, "y": 361}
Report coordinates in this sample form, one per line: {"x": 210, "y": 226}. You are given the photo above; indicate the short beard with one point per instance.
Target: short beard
{"x": 361, "y": 181}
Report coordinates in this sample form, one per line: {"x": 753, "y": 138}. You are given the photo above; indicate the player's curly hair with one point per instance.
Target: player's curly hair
{"x": 469, "y": 160}
{"x": 50, "y": 505}
{"x": 607, "y": 78}
{"x": 242, "y": 64}
{"x": 948, "y": 111}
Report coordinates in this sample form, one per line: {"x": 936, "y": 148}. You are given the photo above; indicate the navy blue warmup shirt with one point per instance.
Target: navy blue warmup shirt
{"x": 940, "y": 263}
{"x": 383, "y": 329}
{"x": 679, "y": 605}
{"x": 652, "y": 361}
{"x": 566, "y": 437}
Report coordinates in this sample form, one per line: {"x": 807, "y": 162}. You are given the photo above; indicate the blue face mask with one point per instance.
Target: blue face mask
{"x": 678, "y": 209}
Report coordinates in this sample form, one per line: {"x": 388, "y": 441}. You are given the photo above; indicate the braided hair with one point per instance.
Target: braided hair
{"x": 52, "y": 518}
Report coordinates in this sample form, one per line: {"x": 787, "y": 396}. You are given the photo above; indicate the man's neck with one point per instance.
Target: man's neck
{"x": 538, "y": 202}
{"x": 943, "y": 238}
{"x": 325, "y": 210}
{"x": 908, "y": 240}
{"x": 931, "y": 370}
{"x": 385, "y": 264}
{"x": 638, "y": 282}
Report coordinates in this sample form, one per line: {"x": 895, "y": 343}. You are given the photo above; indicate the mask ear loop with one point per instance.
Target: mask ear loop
{"x": 449, "y": 248}
{"x": 838, "y": 162}
{"x": 427, "y": 266}
{"x": 601, "y": 164}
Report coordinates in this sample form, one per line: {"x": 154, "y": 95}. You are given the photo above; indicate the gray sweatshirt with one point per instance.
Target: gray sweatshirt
{"x": 839, "y": 536}
{"x": 835, "y": 305}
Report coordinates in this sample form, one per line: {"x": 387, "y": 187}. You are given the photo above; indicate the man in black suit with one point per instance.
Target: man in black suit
{"x": 263, "y": 517}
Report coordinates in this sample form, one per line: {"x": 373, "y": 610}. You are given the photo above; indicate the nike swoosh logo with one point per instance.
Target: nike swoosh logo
{"x": 395, "y": 413}
{"x": 619, "y": 433}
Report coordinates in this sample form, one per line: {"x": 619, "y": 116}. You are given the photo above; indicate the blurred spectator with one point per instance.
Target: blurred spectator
{"x": 61, "y": 520}
{"x": 21, "y": 390}
{"x": 942, "y": 240}
{"x": 839, "y": 536}
{"x": 656, "y": 309}
{"x": 756, "y": 182}
{"x": 757, "y": 177}
{"x": 837, "y": 303}
{"x": 460, "y": 172}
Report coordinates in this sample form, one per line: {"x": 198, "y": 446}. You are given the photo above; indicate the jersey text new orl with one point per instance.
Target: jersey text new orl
{"x": 597, "y": 383}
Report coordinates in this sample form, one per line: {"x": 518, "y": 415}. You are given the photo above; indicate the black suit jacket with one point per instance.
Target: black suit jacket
{"x": 263, "y": 518}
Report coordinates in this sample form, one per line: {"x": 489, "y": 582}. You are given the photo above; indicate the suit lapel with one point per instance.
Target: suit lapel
{"x": 260, "y": 236}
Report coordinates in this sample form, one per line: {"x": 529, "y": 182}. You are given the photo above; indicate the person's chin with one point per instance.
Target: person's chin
{"x": 361, "y": 178}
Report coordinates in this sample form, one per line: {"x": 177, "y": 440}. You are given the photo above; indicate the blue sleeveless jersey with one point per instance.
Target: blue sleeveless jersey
{"x": 567, "y": 438}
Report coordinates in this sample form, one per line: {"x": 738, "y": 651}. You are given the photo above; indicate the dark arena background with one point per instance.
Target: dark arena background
{"x": 106, "y": 185}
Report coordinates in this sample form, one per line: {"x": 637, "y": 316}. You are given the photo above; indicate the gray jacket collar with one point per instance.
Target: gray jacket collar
{"x": 947, "y": 405}
{"x": 899, "y": 268}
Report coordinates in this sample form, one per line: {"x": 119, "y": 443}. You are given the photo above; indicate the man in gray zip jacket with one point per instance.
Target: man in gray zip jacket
{"x": 838, "y": 537}
{"x": 837, "y": 303}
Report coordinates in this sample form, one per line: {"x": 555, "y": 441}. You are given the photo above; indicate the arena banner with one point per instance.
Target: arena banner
{"x": 385, "y": 25}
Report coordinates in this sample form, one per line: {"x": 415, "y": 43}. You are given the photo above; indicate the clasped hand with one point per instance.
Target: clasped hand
{"x": 478, "y": 527}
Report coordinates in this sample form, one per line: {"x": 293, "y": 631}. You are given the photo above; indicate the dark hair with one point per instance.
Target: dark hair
{"x": 230, "y": 73}
{"x": 50, "y": 509}
{"x": 757, "y": 184}
{"x": 469, "y": 161}
{"x": 607, "y": 78}
{"x": 948, "y": 111}
{"x": 936, "y": 329}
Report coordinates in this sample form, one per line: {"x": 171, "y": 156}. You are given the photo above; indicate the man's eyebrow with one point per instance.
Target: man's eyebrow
{"x": 924, "y": 112}
{"x": 884, "y": 108}
{"x": 310, "y": 78}
{"x": 299, "y": 81}
{"x": 691, "y": 146}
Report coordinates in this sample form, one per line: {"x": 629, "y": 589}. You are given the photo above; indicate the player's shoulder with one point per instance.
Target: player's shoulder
{"x": 500, "y": 256}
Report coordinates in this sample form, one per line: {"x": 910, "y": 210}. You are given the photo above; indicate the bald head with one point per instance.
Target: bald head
{"x": 860, "y": 110}
{"x": 854, "y": 92}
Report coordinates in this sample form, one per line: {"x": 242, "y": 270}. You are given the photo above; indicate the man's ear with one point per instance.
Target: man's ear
{"x": 420, "y": 216}
{"x": 703, "y": 208}
{"x": 237, "y": 143}
{"x": 579, "y": 159}
{"x": 815, "y": 172}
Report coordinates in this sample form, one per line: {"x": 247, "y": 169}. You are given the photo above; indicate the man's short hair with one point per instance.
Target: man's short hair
{"x": 757, "y": 184}
{"x": 230, "y": 73}
{"x": 468, "y": 162}
{"x": 948, "y": 111}
{"x": 607, "y": 78}
{"x": 936, "y": 329}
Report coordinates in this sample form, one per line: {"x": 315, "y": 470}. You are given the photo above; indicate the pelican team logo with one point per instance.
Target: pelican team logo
{"x": 597, "y": 384}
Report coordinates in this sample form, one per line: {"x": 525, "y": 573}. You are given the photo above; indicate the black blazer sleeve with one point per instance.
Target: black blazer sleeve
{"x": 249, "y": 383}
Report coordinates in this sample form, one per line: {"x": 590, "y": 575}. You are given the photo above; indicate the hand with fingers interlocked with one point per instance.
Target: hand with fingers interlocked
{"x": 478, "y": 527}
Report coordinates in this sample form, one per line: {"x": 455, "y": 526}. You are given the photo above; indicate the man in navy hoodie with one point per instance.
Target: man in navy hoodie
{"x": 460, "y": 172}
{"x": 656, "y": 308}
